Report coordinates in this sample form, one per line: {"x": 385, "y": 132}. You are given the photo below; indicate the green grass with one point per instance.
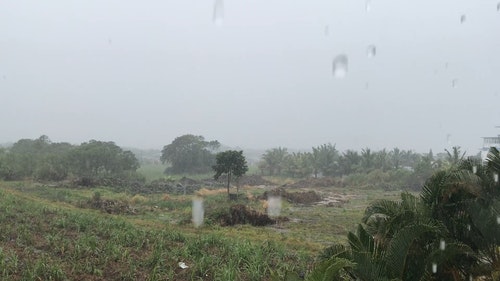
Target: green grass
{"x": 52, "y": 233}
{"x": 152, "y": 171}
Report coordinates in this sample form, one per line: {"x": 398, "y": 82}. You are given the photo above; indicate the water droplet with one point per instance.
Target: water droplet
{"x": 274, "y": 206}
{"x": 371, "y": 51}
{"x": 468, "y": 227}
{"x": 462, "y": 19}
{"x": 368, "y": 5}
{"x": 454, "y": 83}
{"x": 448, "y": 138}
{"x": 498, "y": 219}
{"x": 340, "y": 63}
{"x": 218, "y": 12}
{"x": 495, "y": 177}
{"x": 470, "y": 278}
{"x": 198, "y": 212}
{"x": 327, "y": 30}
{"x": 442, "y": 245}
{"x": 474, "y": 169}
{"x": 498, "y": 6}
{"x": 434, "y": 267}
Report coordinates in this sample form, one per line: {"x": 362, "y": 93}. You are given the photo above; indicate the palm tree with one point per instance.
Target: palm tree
{"x": 450, "y": 232}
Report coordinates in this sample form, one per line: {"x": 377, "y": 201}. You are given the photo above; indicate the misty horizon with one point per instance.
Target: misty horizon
{"x": 254, "y": 75}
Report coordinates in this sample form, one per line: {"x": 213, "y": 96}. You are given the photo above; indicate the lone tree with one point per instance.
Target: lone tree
{"x": 231, "y": 163}
{"x": 189, "y": 154}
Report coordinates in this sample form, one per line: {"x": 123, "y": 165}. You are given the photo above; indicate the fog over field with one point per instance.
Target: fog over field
{"x": 255, "y": 74}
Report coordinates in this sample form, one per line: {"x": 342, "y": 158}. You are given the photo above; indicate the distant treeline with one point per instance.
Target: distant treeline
{"x": 91, "y": 162}
{"x": 43, "y": 160}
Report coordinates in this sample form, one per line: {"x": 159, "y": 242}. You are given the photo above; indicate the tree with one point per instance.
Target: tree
{"x": 231, "y": 163}
{"x": 450, "y": 232}
{"x": 275, "y": 160}
{"x": 95, "y": 159}
{"x": 189, "y": 154}
{"x": 325, "y": 160}
{"x": 349, "y": 162}
{"x": 455, "y": 156}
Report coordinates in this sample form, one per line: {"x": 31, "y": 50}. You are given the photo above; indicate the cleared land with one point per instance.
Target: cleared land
{"x": 57, "y": 233}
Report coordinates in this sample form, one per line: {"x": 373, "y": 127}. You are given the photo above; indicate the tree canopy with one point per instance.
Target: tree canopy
{"x": 231, "y": 163}
{"x": 450, "y": 232}
{"x": 42, "y": 159}
{"x": 189, "y": 154}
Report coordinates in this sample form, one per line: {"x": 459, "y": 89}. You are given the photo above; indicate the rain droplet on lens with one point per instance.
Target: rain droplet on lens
{"x": 371, "y": 51}
{"x": 434, "y": 267}
{"x": 327, "y": 30}
{"x": 218, "y": 12}
{"x": 495, "y": 177}
{"x": 442, "y": 245}
{"x": 468, "y": 227}
{"x": 454, "y": 83}
{"x": 274, "y": 206}
{"x": 340, "y": 65}
{"x": 368, "y": 5}
{"x": 498, "y": 219}
{"x": 474, "y": 169}
{"x": 462, "y": 19}
{"x": 498, "y": 6}
{"x": 198, "y": 212}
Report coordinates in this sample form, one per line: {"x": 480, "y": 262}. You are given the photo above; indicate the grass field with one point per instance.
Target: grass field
{"x": 51, "y": 233}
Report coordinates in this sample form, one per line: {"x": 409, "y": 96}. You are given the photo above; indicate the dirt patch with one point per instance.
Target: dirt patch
{"x": 335, "y": 200}
{"x": 317, "y": 182}
{"x": 109, "y": 206}
{"x": 240, "y": 214}
{"x": 303, "y": 197}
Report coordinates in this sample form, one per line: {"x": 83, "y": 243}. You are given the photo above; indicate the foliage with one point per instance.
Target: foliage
{"x": 44, "y": 160}
{"x": 231, "y": 163}
{"x": 450, "y": 232}
{"x": 274, "y": 160}
{"x": 189, "y": 154}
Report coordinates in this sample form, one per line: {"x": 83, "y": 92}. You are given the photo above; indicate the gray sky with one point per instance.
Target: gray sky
{"x": 141, "y": 73}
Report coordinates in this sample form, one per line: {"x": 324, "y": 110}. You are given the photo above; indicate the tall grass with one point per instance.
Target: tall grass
{"x": 41, "y": 239}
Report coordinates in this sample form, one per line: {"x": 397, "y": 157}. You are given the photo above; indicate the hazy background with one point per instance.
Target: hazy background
{"x": 141, "y": 73}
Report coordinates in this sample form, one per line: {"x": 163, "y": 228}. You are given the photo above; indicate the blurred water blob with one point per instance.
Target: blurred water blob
{"x": 495, "y": 177}
{"x": 218, "y": 12}
{"x": 454, "y": 83}
{"x": 498, "y": 219}
{"x": 498, "y": 6}
{"x": 327, "y": 30}
{"x": 474, "y": 169}
{"x": 371, "y": 51}
{"x": 442, "y": 245}
{"x": 434, "y": 267}
{"x": 368, "y": 5}
{"x": 273, "y": 206}
{"x": 198, "y": 212}
{"x": 340, "y": 66}
{"x": 462, "y": 18}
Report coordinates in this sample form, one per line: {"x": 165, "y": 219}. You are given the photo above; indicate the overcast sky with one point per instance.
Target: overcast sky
{"x": 253, "y": 74}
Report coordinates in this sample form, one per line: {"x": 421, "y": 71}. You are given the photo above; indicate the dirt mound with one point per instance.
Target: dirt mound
{"x": 316, "y": 182}
{"x": 109, "y": 206}
{"x": 240, "y": 214}
{"x": 304, "y": 197}
{"x": 250, "y": 180}
{"x": 254, "y": 180}
{"x": 188, "y": 181}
